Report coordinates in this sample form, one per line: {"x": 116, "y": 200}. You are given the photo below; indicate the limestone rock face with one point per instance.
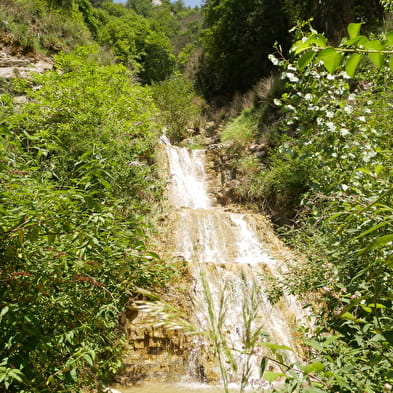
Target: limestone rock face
{"x": 19, "y": 66}
{"x": 153, "y": 353}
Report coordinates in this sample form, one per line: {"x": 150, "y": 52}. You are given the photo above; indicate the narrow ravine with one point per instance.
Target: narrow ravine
{"x": 230, "y": 266}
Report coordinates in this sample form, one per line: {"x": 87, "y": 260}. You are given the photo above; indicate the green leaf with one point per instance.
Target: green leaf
{"x": 313, "y": 367}
{"x": 299, "y": 47}
{"x": 376, "y": 58}
{"x": 16, "y": 374}
{"x": 382, "y": 241}
{"x": 4, "y": 311}
{"x": 262, "y": 366}
{"x": 314, "y": 390}
{"x": 347, "y": 315}
{"x": 389, "y": 37}
{"x": 391, "y": 63}
{"x": 314, "y": 40}
{"x": 88, "y": 359}
{"x": 271, "y": 376}
{"x": 354, "y": 29}
{"x": 105, "y": 183}
{"x": 317, "y": 40}
{"x": 305, "y": 59}
{"x": 388, "y": 334}
{"x": 314, "y": 344}
{"x": 74, "y": 374}
{"x": 352, "y": 63}
{"x": 359, "y": 41}
{"x": 275, "y": 347}
{"x": 377, "y": 305}
{"x": 373, "y": 229}
{"x": 365, "y": 308}
{"x": 331, "y": 59}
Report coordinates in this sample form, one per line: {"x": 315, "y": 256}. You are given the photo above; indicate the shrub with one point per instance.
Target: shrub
{"x": 179, "y": 106}
{"x": 77, "y": 177}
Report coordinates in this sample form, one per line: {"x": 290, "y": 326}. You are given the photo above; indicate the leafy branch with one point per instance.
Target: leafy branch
{"x": 314, "y": 47}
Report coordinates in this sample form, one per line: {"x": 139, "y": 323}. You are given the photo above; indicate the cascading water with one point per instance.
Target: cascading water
{"x": 230, "y": 265}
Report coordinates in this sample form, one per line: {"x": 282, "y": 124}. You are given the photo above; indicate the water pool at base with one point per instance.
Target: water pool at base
{"x": 172, "y": 388}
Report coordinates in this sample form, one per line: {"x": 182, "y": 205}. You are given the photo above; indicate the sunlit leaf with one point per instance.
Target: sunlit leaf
{"x": 373, "y": 229}
{"x": 389, "y": 37}
{"x": 275, "y": 347}
{"x": 354, "y": 29}
{"x": 347, "y": 315}
{"x": 377, "y": 305}
{"x": 299, "y": 47}
{"x": 382, "y": 241}
{"x": 314, "y": 344}
{"x": 88, "y": 359}
{"x": 271, "y": 376}
{"x": 313, "y": 367}
{"x": 331, "y": 59}
{"x": 74, "y": 374}
{"x": 317, "y": 40}
{"x": 352, "y": 63}
{"x": 305, "y": 59}
{"x": 375, "y": 57}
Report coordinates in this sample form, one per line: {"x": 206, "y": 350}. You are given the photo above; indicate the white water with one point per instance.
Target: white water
{"x": 188, "y": 178}
{"x": 229, "y": 262}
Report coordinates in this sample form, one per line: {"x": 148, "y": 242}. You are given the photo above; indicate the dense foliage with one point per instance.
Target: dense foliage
{"x": 77, "y": 178}
{"x": 32, "y": 26}
{"x": 239, "y": 35}
{"x": 341, "y": 150}
{"x": 143, "y": 37}
{"x": 332, "y": 167}
{"x": 237, "y": 38}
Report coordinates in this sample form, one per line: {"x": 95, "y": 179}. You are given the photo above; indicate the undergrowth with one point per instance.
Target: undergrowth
{"x": 329, "y": 179}
{"x": 77, "y": 180}
{"x": 32, "y": 26}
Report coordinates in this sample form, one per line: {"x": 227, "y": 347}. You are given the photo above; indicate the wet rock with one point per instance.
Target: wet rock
{"x": 111, "y": 390}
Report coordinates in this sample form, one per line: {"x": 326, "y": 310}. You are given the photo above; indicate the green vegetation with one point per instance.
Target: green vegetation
{"x": 240, "y": 34}
{"x": 77, "y": 179}
{"x": 328, "y": 177}
{"x": 32, "y": 26}
{"x": 343, "y": 148}
{"x": 179, "y": 107}
{"x": 131, "y": 36}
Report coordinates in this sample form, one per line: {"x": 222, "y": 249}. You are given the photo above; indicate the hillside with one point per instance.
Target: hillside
{"x": 296, "y": 121}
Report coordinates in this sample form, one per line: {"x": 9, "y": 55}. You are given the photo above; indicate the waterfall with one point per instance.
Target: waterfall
{"x": 230, "y": 266}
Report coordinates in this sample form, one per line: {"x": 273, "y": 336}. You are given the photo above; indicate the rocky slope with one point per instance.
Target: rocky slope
{"x": 15, "y": 65}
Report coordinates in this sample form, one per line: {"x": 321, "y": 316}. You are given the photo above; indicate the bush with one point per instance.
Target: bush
{"x": 338, "y": 135}
{"x": 77, "y": 177}
{"x": 179, "y": 106}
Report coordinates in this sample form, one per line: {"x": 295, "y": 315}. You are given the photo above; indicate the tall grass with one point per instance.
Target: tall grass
{"x": 242, "y": 130}
{"x": 235, "y": 360}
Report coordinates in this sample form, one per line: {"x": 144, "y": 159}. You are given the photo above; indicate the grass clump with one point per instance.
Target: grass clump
{"x": 242, "y": 130}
